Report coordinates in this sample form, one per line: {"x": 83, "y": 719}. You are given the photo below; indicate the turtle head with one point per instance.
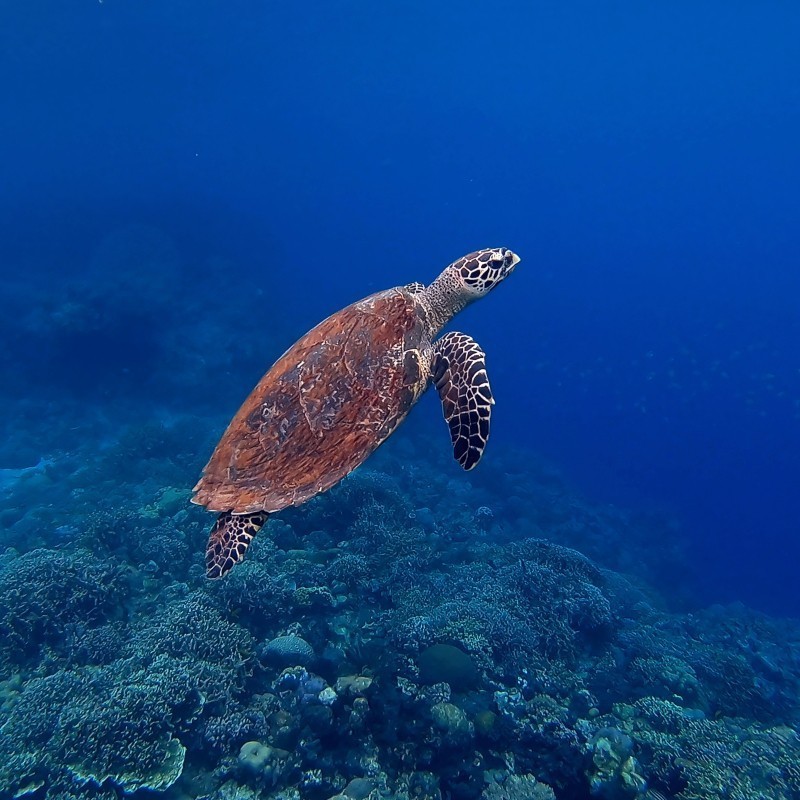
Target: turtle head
{"x": 464, "y": 281}
{"x": 481, "y": 271}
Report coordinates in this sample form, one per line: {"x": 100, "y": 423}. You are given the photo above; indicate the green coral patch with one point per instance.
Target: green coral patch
{"x": 445, "y": 663}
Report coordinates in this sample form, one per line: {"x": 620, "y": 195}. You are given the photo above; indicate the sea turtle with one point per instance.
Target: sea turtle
{"x": 338, "y": 393}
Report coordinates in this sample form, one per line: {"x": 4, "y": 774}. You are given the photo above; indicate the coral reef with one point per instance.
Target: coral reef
{"x": 47, "y": 598}
{"x": 406, "y": 635}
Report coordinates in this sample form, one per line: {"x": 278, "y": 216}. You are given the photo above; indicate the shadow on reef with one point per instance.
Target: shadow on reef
{"x": 411, "y": 634}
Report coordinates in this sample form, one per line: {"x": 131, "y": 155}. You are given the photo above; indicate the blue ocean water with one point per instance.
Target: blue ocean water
{"x": 189, "y": 187}
{"x": 643, "y": 161}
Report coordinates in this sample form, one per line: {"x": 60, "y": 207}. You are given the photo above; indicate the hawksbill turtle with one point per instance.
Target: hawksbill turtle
{"x": 334, "y": 396}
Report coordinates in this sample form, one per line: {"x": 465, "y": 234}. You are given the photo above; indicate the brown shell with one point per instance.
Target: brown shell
{"x": 322, "y": 408}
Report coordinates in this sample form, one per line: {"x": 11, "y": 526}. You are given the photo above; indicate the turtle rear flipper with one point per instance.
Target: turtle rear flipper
{"x": 230, "y": 537}
{"x": 459, "y": 374}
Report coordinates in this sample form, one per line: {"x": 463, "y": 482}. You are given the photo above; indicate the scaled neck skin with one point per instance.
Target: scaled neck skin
{"x": 443, "y": 299}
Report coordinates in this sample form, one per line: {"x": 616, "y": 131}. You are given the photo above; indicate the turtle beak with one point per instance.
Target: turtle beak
{"x": 511, "y": 259}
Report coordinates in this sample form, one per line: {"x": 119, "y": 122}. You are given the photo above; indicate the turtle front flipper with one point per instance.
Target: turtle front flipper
{"x": 458, "y": 370}
{"x": 229, "y": 540}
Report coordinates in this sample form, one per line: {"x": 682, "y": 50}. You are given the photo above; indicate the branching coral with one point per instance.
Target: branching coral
{"x": 111, "y": 723}
{"x": 44, "y": 591}
{"x": 697, "y": 758}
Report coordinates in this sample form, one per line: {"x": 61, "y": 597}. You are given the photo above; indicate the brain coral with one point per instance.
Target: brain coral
{"x": 290, "y": 650}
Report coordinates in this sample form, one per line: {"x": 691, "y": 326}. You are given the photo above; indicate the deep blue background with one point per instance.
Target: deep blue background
{"x": 643, "y": 160}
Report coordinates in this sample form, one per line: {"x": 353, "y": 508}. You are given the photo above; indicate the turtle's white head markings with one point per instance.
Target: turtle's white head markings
{"x": 481, "y": 271}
